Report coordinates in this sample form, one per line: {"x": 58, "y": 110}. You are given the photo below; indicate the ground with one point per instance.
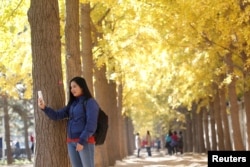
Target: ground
{"x": 158, "y": 159}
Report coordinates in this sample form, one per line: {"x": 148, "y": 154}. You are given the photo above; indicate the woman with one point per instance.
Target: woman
{"x": 148, "y": 146}
{"x": 168, "y": 139}
{"x": 81, "y": 124}
{"x": 180, "y": 142}
{"x": 138, "y": 144}
{"x": 174, "y": 142}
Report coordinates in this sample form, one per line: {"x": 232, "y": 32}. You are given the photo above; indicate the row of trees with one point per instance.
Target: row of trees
{"x": 161, "y": 63}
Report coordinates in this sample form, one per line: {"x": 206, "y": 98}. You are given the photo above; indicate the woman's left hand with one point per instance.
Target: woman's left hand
{"x": 79, "y": 147}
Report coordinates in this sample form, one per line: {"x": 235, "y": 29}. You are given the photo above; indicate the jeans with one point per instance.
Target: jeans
{"x": 138, "y": 152}
{"x": 84, "y": 158}
{"x": 170, "y": 150}
{"x": 149, "y": 151}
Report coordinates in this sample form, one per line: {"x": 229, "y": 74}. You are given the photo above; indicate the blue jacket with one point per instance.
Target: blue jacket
{"x": 80, "y": 125}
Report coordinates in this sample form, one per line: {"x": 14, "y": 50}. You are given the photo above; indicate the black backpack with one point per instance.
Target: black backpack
{"x": 102, "y": 127}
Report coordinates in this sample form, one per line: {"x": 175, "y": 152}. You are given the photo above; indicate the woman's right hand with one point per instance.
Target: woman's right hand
{"x": 41, "y": 104}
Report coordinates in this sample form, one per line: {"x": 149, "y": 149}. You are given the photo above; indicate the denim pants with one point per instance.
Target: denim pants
{"x": 138, "y": 152}
{"x": 84, "y": 158}
{"x": 149, "y": 151}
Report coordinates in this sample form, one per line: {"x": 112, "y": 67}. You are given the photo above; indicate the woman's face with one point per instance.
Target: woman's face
{"x": 75, "y": 89}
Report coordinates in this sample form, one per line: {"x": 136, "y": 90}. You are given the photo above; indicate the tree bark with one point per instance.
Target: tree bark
{"x": 122, "y": 125}
{"x": 72, "y": 40}
{"x": 224, "y": 116}
{"x": 114, "y": 153}
{"x": 218, "y": 120}
{"x": 7, "y": 130}
{"x": 87, "y": 57}
{"x": 101, "y": 93}
{"x": 110, "y": 105}
{"x": 247, "y": 110}
{"x": 44, "y": 21}
{"x": 101, "y": 156}
{"x": 234, "y": 108}
{"x": 246, "y": 75}
{"x": 194, "y": 128}
{"x": 206, "y": 129}
{"x": 212, "y": 125}
{"x": 200, "y": 133}
{"x": 129, "y": 135}
{"x": 189, "y": 138}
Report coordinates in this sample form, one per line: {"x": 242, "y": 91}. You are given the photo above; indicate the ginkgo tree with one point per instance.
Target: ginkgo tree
{"x": 196, "y": 36}
{"x": 15, "y": 58}
{"x": 15, "y": 49}
{"x": 140, "y": 54}
{"x": 218, "y": 29}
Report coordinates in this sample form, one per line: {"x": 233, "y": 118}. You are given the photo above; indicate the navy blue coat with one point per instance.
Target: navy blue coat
{"x": 81, "y": 124}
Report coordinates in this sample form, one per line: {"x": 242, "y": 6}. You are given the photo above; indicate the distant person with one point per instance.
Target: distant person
{"x": 138, "y": 144}
{"x": 174, "y": 142}
{"x": 148, "y": 145}
{"x": 17, "y": 149}
{"x": 168, "y": 140}
{"x": 158, "y": 144}
{"x": 32, "y": 140}
{"x": 180, "y": 143}
{"x": 80, "y": 126}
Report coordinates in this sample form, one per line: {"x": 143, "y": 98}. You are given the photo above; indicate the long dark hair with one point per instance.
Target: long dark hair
{"x": 83, "y": 85}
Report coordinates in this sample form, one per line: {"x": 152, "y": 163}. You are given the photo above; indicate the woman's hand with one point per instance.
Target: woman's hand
{"x": 79, "y": 147}
{"x": 41, "y": 103}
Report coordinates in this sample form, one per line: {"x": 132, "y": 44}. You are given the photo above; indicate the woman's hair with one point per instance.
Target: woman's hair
{"x": 83, "y": 85}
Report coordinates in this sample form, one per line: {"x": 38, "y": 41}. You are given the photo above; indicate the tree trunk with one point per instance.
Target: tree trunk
{"x": 101, "y": 92}
{"x": 246, "y": 94}
{"x": 7, "y": 130}
{"x": 72, "y": 37}
{"x": 106, "y": 88}
{"x": 113, "y": 145}
{"x": 201, "y": 132}
{"x": 224, "y": 116}
{"x": 122, "y": 125}
{"x": 218, "y": 120}
{"x": 247, "y": 110}
{"x": 194, "y": 128}
{"x": 212, "y": 126}
{"x": 130, "y": 135}
{"x": 26, "y": 137}
{"x": 87, "y": 57}
{"x": 101, "y": 156}
{"x": 44, "y": 21}
{"x": 189, "y": 138}
{"x": 206, "y": 123}
{"x": 234, "y": 108}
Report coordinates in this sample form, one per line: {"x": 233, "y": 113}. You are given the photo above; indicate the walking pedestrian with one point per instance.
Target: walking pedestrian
{"x": 138, "y": 144}
{"x": 168, "y": 140}
{"x": 148, "y": 146}
{"x": 174, "y": 142}
{"x": 180, "y": 143}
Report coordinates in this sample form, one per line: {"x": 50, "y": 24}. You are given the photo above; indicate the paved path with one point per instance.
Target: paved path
{"x": 158, "y": 159}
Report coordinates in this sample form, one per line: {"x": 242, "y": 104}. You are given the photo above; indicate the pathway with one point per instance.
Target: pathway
{"x": 158, "y": 159}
